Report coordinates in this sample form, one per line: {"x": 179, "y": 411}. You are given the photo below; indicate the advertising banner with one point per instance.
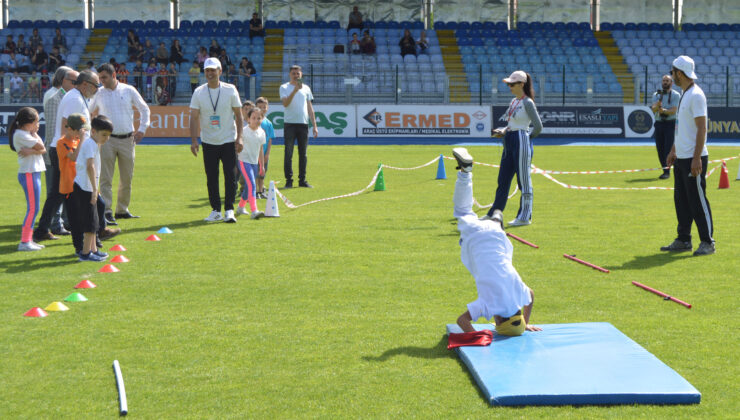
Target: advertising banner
{"x": 423, "y": 121}
{"x": 333, "y": 120}
{"x": 638, "y": 121}
{"x": 724, "y": 123}
{"x": 574, "y": 121}
{"x": 7, "y": 113}
{"x": 167, "y": 121}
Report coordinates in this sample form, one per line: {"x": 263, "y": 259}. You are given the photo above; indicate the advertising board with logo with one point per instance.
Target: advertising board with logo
{"x": 724, "y": 123}
{"x": 7, "y": 113}
{"x": 333, "y": 120}
{"x": 574, "y": 121}
{"x": 638, "y": 121}
{"x": 423, "y": 121}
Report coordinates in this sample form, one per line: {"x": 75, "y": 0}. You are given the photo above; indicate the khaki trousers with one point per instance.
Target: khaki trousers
{"x": 124, "y": 151}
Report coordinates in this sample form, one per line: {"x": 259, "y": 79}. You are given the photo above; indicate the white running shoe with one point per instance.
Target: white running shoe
{"x": 38, "y": 245}
{"x": 29, "y": 246}
{"x": 242, "y": 210}
{"x": 464, "y": 159}
{"x": 215, "y": 216}
{"x": 485, "y": 217}
{"x": 257, "y": 214}
{"x": 229, "y": 216}
{"x": 519, "y": 222}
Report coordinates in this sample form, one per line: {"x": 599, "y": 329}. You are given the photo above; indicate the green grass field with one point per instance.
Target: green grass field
{"x": 338, "y": 309}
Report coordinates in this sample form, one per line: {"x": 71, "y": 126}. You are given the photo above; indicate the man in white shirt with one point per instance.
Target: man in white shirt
{"x": 296, "y": 98}
{"x": 689, "y": 157}
{"x": 215, "y": 116}
{"x": 117, "y": 101}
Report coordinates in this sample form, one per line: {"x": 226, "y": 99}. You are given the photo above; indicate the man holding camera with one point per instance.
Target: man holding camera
{"x": 665, "y": 102}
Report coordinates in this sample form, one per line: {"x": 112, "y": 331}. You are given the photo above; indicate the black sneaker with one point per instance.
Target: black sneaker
{"x": 464, "y": 159}
{"x": 665, "y": 175}
{"x": 304, "y": 184}
{"x": 678, "y": 246}
{"x": 109, "y": 219}
{"x": 705, "y": 248}
{"x": 288, "y": 184}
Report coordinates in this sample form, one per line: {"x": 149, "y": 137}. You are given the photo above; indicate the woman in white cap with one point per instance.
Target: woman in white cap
{"x": 517, "y": 155}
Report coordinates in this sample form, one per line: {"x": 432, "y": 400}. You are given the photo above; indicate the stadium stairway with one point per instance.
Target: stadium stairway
{"x": 94, "y": 47}
{"x": 616, "y": 61}
{"x": 272, "y": 67}
{"x": 459, "y": 88}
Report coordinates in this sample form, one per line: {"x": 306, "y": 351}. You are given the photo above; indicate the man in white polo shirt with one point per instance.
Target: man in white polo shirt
{"x": 296, "y": 98}
{"x": 117, "y": 101}
{"x": 689, "y": 157}
{"x": 215, "y": 115}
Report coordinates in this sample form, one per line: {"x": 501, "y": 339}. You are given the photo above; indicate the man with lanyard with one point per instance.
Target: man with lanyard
{"x": 215, "y": 114}
{"x": 689, "y": 157}
{"x": 51, "y": 214}
{"x": 664, "y": 107}
{"x": 117, "y": 101}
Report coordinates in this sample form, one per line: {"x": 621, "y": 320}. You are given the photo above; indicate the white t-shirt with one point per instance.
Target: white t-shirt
{"x": 693, "y": 105}
{"x": 253, "y": 141}
{"x": 89, "y": 149}
{"x": 487, "y": 253}
{"x": 216, "y": 127}
{"x": 297, "y": 111}
{"x": 16, "y": 82}
{"x": 30, "y": 163}
{"x": 72, "y": 102}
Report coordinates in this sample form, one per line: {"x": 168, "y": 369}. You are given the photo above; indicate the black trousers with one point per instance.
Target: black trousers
{"x": 664, "y": 135}
{"x": 53, "y": 198}
{"x": 293, "y": 132}
{"x": 226, "y": 155}
{"x": 691, "y": 202}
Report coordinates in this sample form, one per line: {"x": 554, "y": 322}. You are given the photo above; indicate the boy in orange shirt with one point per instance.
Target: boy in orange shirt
{"x": 67, "y": 147}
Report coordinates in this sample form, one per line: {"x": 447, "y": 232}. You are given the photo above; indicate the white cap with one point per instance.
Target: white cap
{"x": 516, "y": 77}
{"x": 686, "y": 65}
{"x": 212, "y": 63}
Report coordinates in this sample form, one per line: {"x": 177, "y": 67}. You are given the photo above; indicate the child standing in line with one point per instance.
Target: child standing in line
{"x": 266, "y": 125}
{"x": 85, "y": 191}
{"x": 247, "y": 105}
{"x": 24, "y": 139}
{"x": 67, "y": 149}
{"x": 251, "y": 161}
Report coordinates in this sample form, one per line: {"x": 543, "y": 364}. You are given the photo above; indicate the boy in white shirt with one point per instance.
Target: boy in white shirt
{"x": 487, "y": 253}
{"x": 86, "y": 190}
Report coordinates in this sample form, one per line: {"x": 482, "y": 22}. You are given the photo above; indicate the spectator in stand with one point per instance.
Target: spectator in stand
{"x": 255, "y": 26}
{"x": 40, "y": 59}
{"x": 172, "y": 80}
{"x": 60, "y": 41}
{"x": 224, "y": 59}
{"x": 246, "y": 70}
{"x": 21, "y": 47}
{"x": 138, "y": 72}
{"x": 55, "y": 59}
{"x": 17, "y": 85}
{"x": 133, "y": 44}
{"x": 176, "y": 54}
{"x": 150, "y": 71}
{"x": 35, "y": 40}
{"x": 232, "y": 76}
{"x": 194, "y": 73}
{"x": 91, "y": 67}
{"x": 407, "y": 44}
{"x": 34, "y": 94}
{"x": 423, "y": 42}
{"x": 160, "y": 91}
{"x": 10, "y": 46}
{"x": 12, "y": 63}
{"x": 113, "y": 63}
{"x": 214, "y": 50}
{"x": 162, "y": 56}
{"x": 354, "y": 44}
{"x": 201, "y": 57}
{"x": 149, "y": 52}
{"x": 23, "y": 63}
{"x": 122, "y": 73}
{"x": 355, "y": 19}
{"x": 162, "y": 74}
{"x": 367, "y": 43}
{"x": 45, "y": 83}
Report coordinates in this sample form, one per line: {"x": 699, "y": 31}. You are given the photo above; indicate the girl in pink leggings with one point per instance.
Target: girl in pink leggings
{"x": 251, "y": 162}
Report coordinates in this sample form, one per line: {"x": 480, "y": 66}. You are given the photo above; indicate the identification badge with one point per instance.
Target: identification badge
{"x": 215, "y": 122}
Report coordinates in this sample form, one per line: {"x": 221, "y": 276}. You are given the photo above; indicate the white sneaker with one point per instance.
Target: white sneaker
{"x": 485, "y": 217}
{"x": 215, "y": 216}
{"x": 28, "y": 246}
{"x": 257, "y": 214}
{"x": 519, "y": 222}
{"x": 229, "y": 216}
{"x": 464, "y": 159}
{"x": 242, "y": 210}
{"x": 38, "y": 245}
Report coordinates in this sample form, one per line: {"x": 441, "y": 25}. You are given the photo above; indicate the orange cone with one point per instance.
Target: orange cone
{"x": 85, "y": 284}
{"x": 109, "y": 268}
{"x": 118, "y": 247}
{"x": 36, "y": 312}
{"x": 724, "y": 179}
{"x": 119, "y": 259}
{"x": 153, "y": 238}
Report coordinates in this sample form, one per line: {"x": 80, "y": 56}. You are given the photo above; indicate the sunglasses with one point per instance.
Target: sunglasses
{"x": 513, "y": 84}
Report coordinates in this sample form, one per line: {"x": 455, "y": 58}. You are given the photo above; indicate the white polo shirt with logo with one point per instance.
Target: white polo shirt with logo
{"x": 693, "y": 105}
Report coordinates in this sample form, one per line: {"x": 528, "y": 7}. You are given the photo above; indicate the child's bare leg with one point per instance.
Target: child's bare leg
{"x": 88, "y": 243}
{"x": 464, "y": 321}
{"x": 527, "y": 311}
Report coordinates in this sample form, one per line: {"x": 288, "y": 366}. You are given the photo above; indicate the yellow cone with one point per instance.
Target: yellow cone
{"x": 56, "y": 307}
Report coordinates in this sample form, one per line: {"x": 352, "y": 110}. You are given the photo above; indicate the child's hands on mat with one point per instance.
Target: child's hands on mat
{"x": 531, "y": 327}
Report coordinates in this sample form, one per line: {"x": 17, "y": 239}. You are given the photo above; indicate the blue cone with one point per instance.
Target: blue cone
{"x": 164, "y": 230}
{"x": 441, "y": 174}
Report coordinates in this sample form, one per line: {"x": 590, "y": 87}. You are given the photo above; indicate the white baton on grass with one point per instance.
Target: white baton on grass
{"x": 123, "y": 405}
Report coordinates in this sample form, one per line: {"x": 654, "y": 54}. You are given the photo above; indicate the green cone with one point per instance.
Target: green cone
{"x": 380, "y": 182}
{"x": 76, "y": 297}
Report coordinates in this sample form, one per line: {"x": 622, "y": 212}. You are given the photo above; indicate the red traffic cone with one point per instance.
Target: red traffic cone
{"x": 724, "y": 179}
{"x": 153, "y": 238}
{"x": 119, "y": 259}
{"x": 118, "y": 247}
{"x": 36, "y": 312}
{"x": 85, "y": 284}
{"x": 109, "y": 268}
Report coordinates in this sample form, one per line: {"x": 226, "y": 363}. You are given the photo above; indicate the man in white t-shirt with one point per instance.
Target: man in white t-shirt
{"x": 487, "y": 253}
{"x": 215, "y": 116}
{"x": 689, "y": 157}
{"x": 296, "y": 98}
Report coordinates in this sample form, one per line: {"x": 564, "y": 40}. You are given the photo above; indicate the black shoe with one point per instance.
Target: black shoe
{"x": 48, "y": 236}
{"x": 677, "y": 246}
{"x": 304, "y": 184}
{"x": 61, "y": 231}
{"x": 665, "y": 175}
{"x": 126, "y": 215}
{"x": 110, "y": 220}
{"x": 288, "y": 184}
{"x": 98, "y": 244}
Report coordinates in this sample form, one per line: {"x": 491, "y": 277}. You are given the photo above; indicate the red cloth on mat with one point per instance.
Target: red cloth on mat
{"x": 475, "y": 338}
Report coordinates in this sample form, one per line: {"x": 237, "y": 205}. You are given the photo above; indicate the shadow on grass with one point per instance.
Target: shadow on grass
{"x": 643, "y": 262}
{"x": 200, "y": 202}
{"x": 37, "y": 263}
{"x": 173, "y": 227}
{"x": 438, "y": 351}
{"x": 644, "y": 180}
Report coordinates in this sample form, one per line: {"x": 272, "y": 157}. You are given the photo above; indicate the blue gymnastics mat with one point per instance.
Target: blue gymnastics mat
{"x": 572, "y": 364}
